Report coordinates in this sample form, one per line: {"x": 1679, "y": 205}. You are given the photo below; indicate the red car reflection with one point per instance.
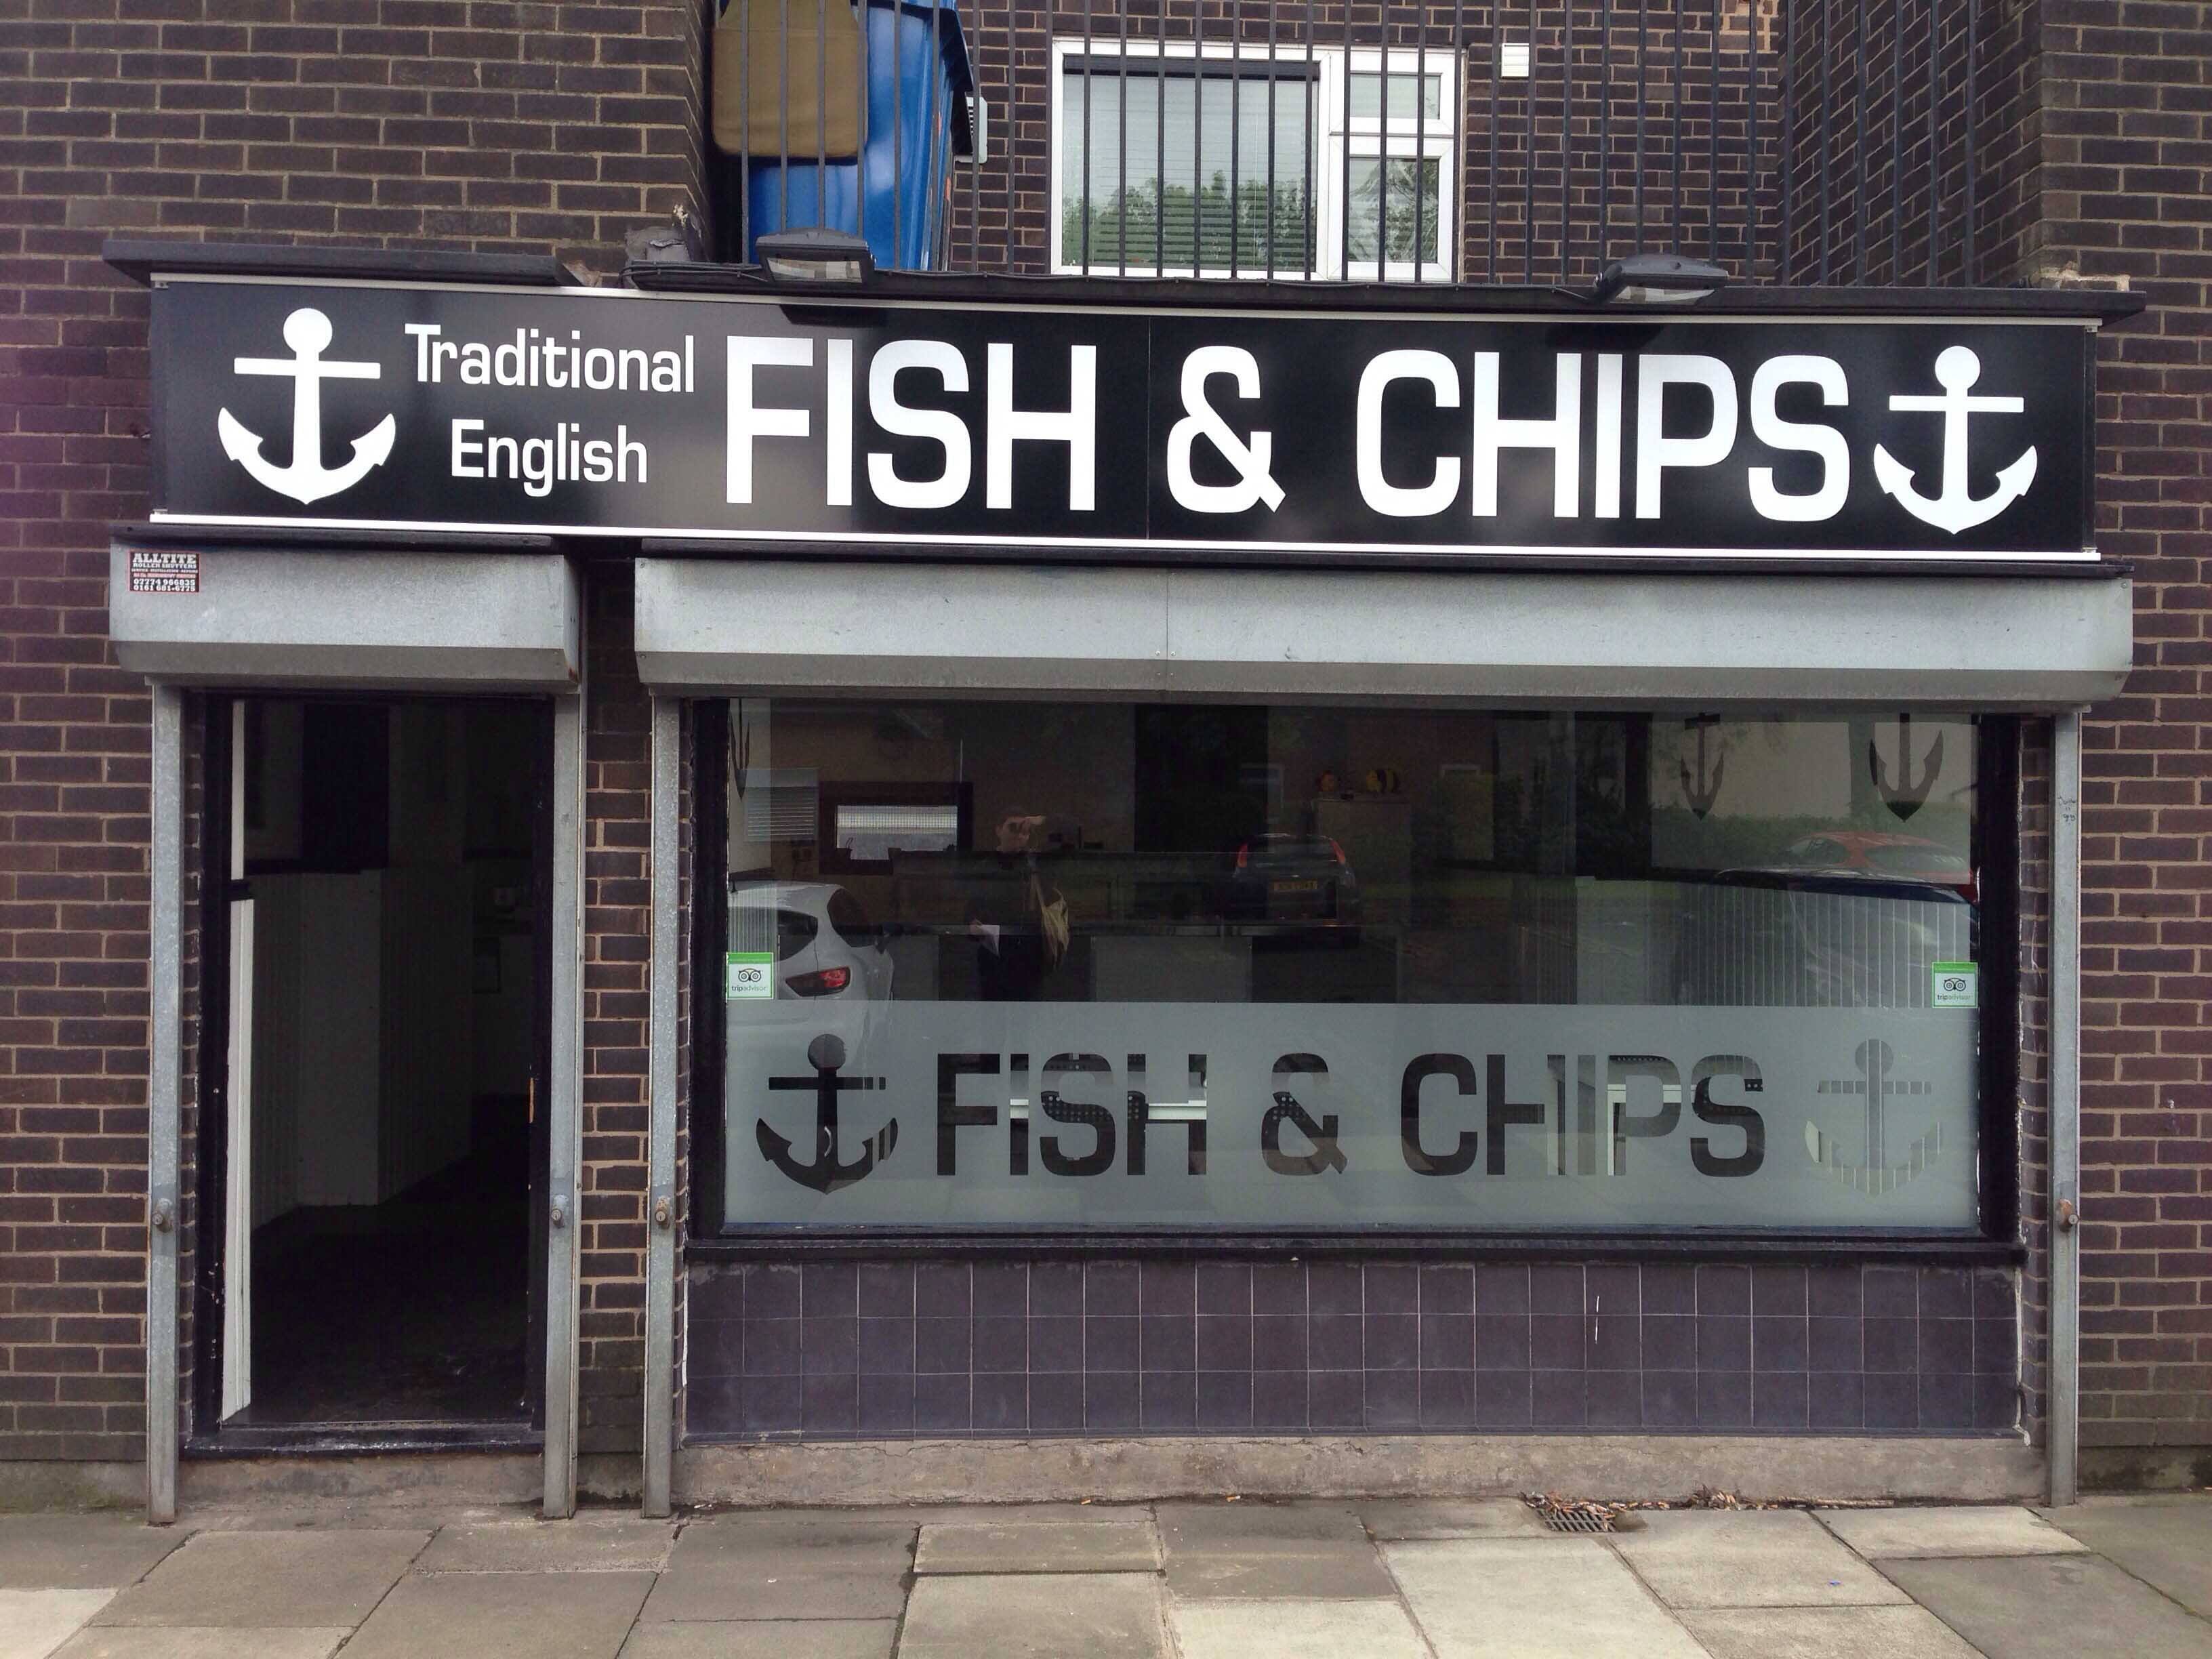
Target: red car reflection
{"x": 1886, "y": 853}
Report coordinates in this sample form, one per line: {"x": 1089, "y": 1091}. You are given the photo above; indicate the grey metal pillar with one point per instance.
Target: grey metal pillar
{"x": 2064, "y": 1425}
{"x": 165, "y": 1103}
{"x": 660, "y": 1153}
{"x": 565, "y": 1107}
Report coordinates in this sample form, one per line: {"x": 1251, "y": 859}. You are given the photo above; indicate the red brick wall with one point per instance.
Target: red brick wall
{"x": 2127, "y": 137}
{"x": 543, "y": 127}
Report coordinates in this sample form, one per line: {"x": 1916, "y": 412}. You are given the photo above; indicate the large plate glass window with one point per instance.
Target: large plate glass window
{"x": 1201, "y": 160}
{"x": 1073, "y": 966}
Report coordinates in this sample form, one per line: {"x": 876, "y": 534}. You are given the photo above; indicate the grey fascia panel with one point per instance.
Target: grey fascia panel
{"x": 279, "y": 618}
{"x": 2018, "y": 643}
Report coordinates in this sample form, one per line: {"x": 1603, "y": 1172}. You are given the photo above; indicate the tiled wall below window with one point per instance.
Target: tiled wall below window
{"x": 928, "y": 1348}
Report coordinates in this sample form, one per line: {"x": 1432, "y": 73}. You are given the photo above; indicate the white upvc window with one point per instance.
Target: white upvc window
{"x": 1202, "y": 159}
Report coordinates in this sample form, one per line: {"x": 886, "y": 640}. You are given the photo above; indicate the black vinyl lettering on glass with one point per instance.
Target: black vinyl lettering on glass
{"x": 1086, "y": 1114}
{"x": 1419, "y": 1159}
{"x": 1728, "y": 1115}
{"x": 1286, "y": 1107}
{"x": 952, "y": 1115}
{"x": 1630, "y": 1124}
{"x": 1503, "y": 1112}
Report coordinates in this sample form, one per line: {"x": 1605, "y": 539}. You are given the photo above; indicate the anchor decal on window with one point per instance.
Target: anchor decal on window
{"x": 828, "y": 1173}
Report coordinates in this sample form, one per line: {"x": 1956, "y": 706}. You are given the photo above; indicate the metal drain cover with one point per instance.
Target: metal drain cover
{"x": 1578, "y": 1520}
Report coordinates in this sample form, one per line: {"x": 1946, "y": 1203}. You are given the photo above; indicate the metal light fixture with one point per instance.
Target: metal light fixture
{"x": 816, "y": 256}
{"x": 1657, "y": 279}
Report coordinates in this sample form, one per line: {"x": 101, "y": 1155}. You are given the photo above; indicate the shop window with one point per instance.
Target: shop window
{"x": 1199, "y": 161}
{"x": 1067, "y": 967}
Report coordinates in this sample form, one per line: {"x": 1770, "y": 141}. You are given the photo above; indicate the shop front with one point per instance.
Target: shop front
{"x": 1222, "y": 875}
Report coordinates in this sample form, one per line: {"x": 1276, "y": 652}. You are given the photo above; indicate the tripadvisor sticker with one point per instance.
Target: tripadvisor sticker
{"x": 1953, "y": 985}
{"x": 749, "y": 974}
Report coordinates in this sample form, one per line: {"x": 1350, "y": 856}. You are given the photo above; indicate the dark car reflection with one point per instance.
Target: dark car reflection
{"x": 1301, "y": 885}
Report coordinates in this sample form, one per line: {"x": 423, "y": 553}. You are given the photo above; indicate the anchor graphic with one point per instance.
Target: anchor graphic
{"x": 307, "y": 331}
{"x": 826, "y": 1174}
{"x": 1907, "y": 797}
{"x": 1704, "y": 792}
{"x": 1877, "y": 1063}
{"x": 1955, "y": 509}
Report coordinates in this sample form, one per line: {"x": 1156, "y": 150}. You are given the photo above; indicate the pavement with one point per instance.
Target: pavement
{"x": 1224, "y": 1579}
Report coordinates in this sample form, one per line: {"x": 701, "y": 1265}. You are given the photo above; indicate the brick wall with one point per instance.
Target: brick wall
{"x": 448, "y": 124}
{"x": 2126, "y": 138}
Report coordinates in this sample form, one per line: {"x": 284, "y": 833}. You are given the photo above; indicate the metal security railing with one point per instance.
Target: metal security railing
{"x": 1403, "y": 141}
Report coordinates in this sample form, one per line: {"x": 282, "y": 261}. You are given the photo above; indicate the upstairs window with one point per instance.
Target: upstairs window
{"x": 1201, "y": 160}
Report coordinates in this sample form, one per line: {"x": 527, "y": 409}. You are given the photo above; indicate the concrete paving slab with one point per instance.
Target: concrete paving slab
{"x": 504, "y": 1615}
{"x": 2165, "y": 1541}
{"x": 779, "y": 1638}
{"x": 1826, "y": 1633}
{"x": 1533, "y": 1598}
{"x": 792, "y": 1563}
{"x": 601, "y": 1544}
{"x": 313, "y": 1580}
{"x": 1749, "y": 1559}
{"x": 1039, "y": 1546}
{"x": 1397, "y": 1520}
{"x": 1295, "y": 1630}
{"x": 1113, "y": 1615}
{"x": 116, "y": 1642}
{"x": 34, "y": 1622}
{"x": 1996, "y": 1529}
{"x": 81, "y": 1552}
{"x": 1287, "y": 1552}
{"x": 2053, "y": 1607}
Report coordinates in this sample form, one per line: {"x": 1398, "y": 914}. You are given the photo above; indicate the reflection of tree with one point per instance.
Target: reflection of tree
{"x": 1411, "y": 179}
{"x": 1137, "y": 213}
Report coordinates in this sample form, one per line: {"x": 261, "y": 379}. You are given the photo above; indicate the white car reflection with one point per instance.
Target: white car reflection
{"x": 831, "y": 969}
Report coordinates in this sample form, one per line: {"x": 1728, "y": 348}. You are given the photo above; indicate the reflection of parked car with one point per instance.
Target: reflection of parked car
{"x": 824, "y": 945}
{"x": 1882, "y": 852}
{"x": 1304, "y": 881}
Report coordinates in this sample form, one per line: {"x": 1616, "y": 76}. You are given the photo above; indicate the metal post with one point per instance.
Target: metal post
{"x": 660, "y": 1143}
{"x": 2064, "y": 1428}
{"x": 565, "y": 1107}
{"x": 165, "y": 1083}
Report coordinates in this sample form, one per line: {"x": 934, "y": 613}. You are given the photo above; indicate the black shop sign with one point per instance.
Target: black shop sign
{"x": 1104, "y": 432}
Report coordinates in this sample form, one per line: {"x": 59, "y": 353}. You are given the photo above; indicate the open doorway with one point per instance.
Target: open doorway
{"x": 382, "y": 1059}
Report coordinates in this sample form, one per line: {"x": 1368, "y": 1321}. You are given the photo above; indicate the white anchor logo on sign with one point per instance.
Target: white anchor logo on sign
{"x": 1955, "y": 509}
{"x": 307, "y": 331}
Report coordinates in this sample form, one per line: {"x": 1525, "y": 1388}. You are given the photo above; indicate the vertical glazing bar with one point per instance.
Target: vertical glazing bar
{"x": 1382, "y": 144}
{"x": 1090, "y": 133}
{"x": 1421, "y": 130}
{"x": 1197, "y": 145}
{"x": 660, "y": 1138}
{"x": 1306, "y": 205}
{"x": 1643, "y": 106}
{"x": 1272, "y": 42}
{"x": 2064, "y": 1431}
{"x": 745, "y": 122}
{"x": 1566, "y": 139}
{"x": 1967, "y": 110}
{"x": 1160, "y": 150}
{"x": 1121, "y": 142}
{"x": 1344, "y": 121}
{"x": 936, "y": 137}
{"x": 1713, "y": 141}
{"x": 165, "y": 1100}
{"x": 1236, "y": 132}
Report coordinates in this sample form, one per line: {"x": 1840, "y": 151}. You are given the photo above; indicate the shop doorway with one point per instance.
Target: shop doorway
{"x": 377, "y": 1048}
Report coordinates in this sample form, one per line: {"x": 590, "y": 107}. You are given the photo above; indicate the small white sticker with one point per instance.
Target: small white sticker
{"x": 749, "y": 974}
{"x": 1954, "y": 985}
{"x": 164, "y": 570}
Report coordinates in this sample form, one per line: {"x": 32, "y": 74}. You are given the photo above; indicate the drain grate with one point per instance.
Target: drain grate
{"x": 1578, "y": 1520}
